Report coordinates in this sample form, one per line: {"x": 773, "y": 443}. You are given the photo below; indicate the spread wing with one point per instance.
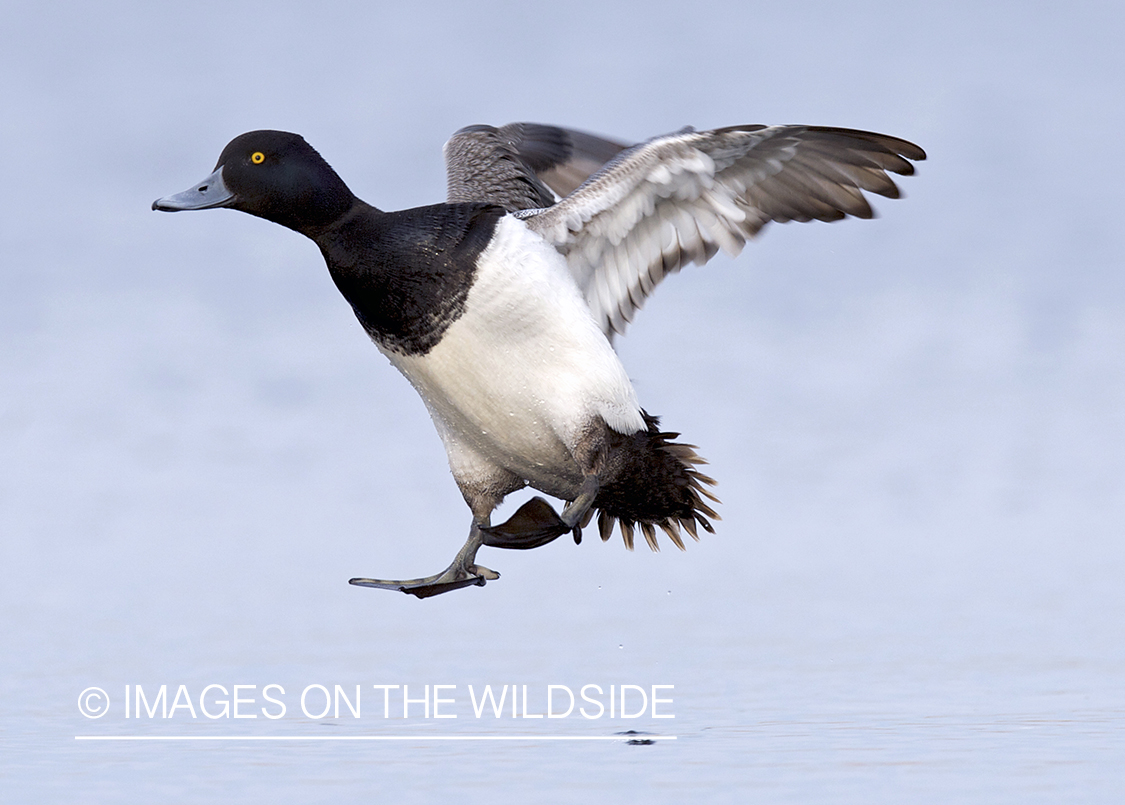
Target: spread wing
{"x": 678, "y": 198}
{"x": 522, "y": 165}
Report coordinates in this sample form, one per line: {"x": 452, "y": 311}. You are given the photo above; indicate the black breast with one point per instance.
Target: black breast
{"x": 407, "y": 274}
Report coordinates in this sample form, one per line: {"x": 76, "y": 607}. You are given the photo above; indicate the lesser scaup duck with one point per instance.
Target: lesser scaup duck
{"x": 499, "y": 305}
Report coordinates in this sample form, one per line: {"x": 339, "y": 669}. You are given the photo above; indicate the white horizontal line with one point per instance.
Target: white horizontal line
{"x": 633, "y": 737}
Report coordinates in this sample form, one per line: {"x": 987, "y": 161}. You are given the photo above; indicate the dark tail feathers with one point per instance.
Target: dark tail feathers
{"x": 653, "y": 484}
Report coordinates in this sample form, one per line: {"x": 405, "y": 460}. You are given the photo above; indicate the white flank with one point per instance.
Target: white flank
{"x": 515, "y": 380}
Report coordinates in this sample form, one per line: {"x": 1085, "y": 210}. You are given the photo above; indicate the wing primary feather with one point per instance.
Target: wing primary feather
{"x": 679, "y": 198}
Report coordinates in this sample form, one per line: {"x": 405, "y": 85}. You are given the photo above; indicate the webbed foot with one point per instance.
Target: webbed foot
{"x": 463, "y": 572}
{"x": 452, "y": 578}
{"x": 535, "y": 523}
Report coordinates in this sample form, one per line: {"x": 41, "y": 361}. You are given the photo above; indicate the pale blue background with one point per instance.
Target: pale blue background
{"x": 917, "y": 423}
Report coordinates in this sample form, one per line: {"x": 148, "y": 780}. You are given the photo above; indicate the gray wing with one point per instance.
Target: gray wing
{"x": 522, "y": 165}
{"x": 678, "y": 198}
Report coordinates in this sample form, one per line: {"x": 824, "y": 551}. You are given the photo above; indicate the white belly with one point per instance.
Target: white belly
{"x": 515, "y": 381}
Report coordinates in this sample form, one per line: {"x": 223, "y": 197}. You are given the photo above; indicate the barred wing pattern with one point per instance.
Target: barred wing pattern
{"x": 679, "y": 198}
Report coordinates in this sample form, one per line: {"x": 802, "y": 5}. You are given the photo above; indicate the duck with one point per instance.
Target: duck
{"x": 500, "y": 305}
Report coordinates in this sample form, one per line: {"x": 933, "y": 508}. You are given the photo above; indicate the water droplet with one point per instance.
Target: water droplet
{"x": 621, "y": 645}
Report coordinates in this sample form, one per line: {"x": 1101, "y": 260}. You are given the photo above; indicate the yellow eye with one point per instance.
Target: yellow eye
{"x": 257, "y": 157}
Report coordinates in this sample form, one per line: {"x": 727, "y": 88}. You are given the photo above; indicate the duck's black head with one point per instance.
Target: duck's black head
{"x": 274, "y": 175}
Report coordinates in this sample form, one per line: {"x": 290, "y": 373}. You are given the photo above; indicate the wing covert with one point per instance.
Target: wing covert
{"x": 522, "y": 165}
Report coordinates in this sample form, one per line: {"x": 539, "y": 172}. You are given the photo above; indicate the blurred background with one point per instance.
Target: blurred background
{"x": 916, "y": 422}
